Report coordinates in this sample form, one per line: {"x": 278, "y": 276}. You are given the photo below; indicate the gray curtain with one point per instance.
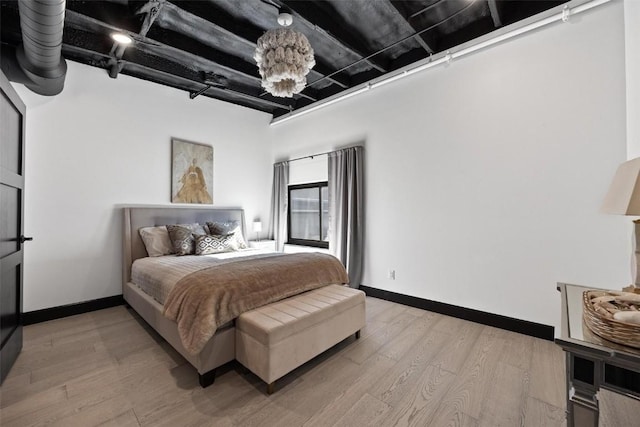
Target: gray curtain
{"x": 278, "y": 223}
{"x": 346, "y": 210}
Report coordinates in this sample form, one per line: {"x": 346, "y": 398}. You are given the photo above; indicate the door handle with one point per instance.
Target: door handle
{"x": 23, "y": 239}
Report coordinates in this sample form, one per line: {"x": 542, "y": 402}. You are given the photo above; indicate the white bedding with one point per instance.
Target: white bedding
{"x": 156, "y": 276}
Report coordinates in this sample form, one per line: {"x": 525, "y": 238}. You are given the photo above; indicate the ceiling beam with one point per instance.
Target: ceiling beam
{"x": 495, "y": 14}
{"x": 246, "y": 33}
{"x": 175, "y": 46}
{"x": 331, "y": 28}
{"x": 408, "y": 27}
{"x": 474, "y": 33}
{"x": 170, "y": 37}
{"x": 183, "y": 50}
{"x": 150, "y": 10}
{"x": 192, "y": 47}
{"x": 163, "y": 66}
{"x": 184, "y": 46}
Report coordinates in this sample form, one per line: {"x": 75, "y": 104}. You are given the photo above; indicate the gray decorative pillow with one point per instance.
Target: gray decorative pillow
{"x": 181, "y": 237}
{"x": 228, "y": 227}
{"x": 156, "y": 240}
{"x": 214, "y": 244}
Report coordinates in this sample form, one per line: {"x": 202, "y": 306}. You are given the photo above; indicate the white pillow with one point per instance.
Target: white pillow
{"x": 156, "y": 240}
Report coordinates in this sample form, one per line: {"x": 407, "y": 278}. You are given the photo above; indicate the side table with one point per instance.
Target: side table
{"x": 269, "y": 245}
{"x": 593, "y": 363}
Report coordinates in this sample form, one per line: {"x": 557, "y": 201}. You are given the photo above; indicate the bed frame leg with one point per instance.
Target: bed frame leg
{"x": 271, "y": 388}
{"x": 358, "y": 335}
{"x": 207, "y": 378}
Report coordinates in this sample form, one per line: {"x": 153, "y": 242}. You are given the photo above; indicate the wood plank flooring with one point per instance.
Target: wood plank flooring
{"x": 410, "y": 367}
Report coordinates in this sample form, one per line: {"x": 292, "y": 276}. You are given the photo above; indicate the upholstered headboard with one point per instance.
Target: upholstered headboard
{"x": 136, "y": 217}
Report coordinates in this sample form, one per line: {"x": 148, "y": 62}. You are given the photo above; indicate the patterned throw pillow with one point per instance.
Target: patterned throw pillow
{"x": 181, "y": 237}
{"x": 228, "y": 227}
{"x": 213, "y": 244}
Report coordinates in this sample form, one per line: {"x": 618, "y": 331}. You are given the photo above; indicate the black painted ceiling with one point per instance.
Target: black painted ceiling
{"x": 207, "y": 47}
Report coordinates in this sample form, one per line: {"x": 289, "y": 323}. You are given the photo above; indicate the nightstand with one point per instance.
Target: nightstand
{"x": 269, "y": 245}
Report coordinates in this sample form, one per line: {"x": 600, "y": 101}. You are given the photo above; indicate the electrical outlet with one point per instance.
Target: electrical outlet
{"x": 391, "y": 275}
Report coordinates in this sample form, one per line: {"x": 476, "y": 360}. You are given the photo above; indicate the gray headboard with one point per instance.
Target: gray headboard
{"x": 136, "y": 217}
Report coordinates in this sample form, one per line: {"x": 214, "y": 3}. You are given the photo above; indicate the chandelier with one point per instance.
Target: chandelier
{"x": 284, "y": 57}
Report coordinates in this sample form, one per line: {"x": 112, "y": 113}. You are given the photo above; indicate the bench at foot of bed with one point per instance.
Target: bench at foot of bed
{"x": 273, "y": 340}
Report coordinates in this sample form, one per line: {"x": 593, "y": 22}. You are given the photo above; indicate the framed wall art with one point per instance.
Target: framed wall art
{"x": 191, "y": 172}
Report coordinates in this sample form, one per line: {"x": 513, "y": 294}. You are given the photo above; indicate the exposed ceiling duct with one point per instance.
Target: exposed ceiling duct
{"x": 39, "y": 56}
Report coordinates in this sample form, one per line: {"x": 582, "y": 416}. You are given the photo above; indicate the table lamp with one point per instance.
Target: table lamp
{"x": 257, "y": 227}
{"x": 623, "y": 198}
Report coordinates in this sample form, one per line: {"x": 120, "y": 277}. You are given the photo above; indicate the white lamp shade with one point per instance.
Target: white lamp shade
{"x": 623, "y": 197}
{"x": 257, "y": 226}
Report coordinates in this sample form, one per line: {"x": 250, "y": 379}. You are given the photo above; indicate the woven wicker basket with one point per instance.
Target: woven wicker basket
{"x": 610, "y": 329}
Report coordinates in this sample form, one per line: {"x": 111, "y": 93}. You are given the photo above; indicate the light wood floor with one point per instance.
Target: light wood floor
{"x": 410, "y": 367}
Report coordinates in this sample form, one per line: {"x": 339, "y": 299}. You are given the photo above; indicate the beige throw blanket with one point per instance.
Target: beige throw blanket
{"x": 206, "y": 299}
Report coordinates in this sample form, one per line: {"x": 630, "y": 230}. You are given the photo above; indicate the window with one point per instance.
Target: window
{"x": 308, "y": 219}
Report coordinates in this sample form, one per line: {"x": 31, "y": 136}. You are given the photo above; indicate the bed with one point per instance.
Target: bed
{"x": 217, "y": 348}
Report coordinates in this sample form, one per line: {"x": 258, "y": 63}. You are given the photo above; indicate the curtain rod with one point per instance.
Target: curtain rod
{"x": 311, "y": 156}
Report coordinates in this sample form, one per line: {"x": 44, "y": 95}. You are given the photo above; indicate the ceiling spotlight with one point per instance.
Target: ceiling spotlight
{"x": 121, "y": 38}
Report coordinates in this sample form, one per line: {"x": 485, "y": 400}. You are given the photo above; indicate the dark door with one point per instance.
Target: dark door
{"x": 12, "y": 116}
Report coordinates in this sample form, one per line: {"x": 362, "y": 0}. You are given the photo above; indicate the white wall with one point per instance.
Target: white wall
{"x": 484, "y": 178}
{"x": 632, "y": 49}
{"x": 105, "y": 142}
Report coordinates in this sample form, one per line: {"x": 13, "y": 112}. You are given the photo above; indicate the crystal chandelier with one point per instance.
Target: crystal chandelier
{"x": 284, "y": 57}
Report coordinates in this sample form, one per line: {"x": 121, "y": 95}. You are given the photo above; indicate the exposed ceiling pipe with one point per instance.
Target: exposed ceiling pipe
{"x": 40, "y": 54}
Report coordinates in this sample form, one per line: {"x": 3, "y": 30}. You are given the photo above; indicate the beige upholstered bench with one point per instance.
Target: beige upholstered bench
{"x": 273, "y": 340}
